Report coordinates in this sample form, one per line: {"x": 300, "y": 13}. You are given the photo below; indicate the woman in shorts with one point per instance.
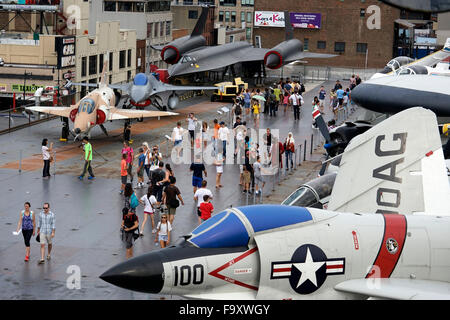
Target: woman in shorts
{"x": 163, "y": 234}
{"x": 149, "y": 201}
{"x": 27, "y": 223}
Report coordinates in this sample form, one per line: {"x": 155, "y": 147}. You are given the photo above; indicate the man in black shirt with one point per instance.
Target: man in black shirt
{"x": 198, "y": 169}
{"x": 157, "y": 176}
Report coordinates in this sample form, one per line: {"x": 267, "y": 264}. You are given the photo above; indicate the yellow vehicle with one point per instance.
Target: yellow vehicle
{"x": 228, "y": 90}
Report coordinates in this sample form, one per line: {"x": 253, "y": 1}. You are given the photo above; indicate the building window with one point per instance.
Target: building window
{"x": 257, "y": 41}
{"x": 339, "y": 47}
{"x": 231, "y": 38}
{"x": 168, "y": 28}
{"x": 155, "y": 33}
{"x": 149, "y": 29}
{"x": 129, "y": 58}
{"x": 125, "y": 6}
{"x": 129, "y": 76}
{"x": 193, "y": 14}
{"x": 227, "y": 16}
{"x": 139, "y": 7}
{"x": 111, "y": 61}
{"x": 109, "y": 6}
{"x": 83, "y": 66}
{"x": 155, "y": 6}
{"x": 321, "y": 44}
{"x": 362, "y": 12}
{"x": 83, "y": 90}
{"x": 188, "y": 2}
{"x": 249, "y": 17}
{"x": 230, "y": 3}
{"x": 92, "y": 65}
{"x": 161, "y": 29}
{"x": 305, "y": 44}
{"x": 233, "y": 16}
{"x": 122, "y": 59}
{"x": 361, "y": 47}
{"x": 221, "y": 16}
{"x": 242, "y": 16}
{"x": 100, "y": 62}
{"x": 248, "y": 33}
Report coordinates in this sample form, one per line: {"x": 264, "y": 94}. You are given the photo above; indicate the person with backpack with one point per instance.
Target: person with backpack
{"x": 237, "y": 109}
{"x": 27, "y": 223}
{"x": 170, "y": 195}
{"x": 130, "y": 223}
{"x": 296, "y": 102}
{"x": 149, "y": 201}
{"x": 131, "y": 200}
{"x": 273, "y": 104}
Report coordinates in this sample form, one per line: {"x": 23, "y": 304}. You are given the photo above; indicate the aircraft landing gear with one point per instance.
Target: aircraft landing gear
{"x": 65, "y": 130}
{"x": 127, "y": 131}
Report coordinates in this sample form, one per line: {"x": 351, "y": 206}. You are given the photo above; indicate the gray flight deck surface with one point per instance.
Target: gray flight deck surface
{"x": 88, "y": 213}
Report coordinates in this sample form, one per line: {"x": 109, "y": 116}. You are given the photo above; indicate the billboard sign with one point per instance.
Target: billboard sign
{"x": 65, "y": 49}
{"x": 306, "y": 20}
{"x": 269, "y": 19}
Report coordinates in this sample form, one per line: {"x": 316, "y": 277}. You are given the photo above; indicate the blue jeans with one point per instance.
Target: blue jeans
{"x": 224, "y": 146}
{"x": 289, "y": 157}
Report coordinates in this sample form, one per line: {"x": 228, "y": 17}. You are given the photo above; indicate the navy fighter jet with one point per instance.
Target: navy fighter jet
{"x": 145, "y": 90}
{"x": 222, "y": 56}
{"x": 287, "y": 252}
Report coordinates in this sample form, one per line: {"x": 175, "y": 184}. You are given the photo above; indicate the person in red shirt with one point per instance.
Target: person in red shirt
{"x": 123, "y": 172}
{"x": 206, "y": 208}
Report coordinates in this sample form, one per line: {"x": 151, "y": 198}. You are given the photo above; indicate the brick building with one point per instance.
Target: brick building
{"x": 351, "y": 29}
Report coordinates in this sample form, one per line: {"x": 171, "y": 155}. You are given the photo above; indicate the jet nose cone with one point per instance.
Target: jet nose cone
{"x": 169, "y": 55}
{"x": 144, "y": 274}
{"x": 272, "y": 60}
{"x": 138, "y": 95}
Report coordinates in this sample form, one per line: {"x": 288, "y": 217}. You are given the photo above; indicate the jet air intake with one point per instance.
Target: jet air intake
{"x": 280, "y": 54}
{"x": 172, "y": 53}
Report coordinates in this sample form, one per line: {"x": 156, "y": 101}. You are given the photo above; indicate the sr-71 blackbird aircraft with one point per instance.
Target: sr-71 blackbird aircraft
{"x": 96, "y": 108}
{"x": 209, "y": 58}
{"x": 395, "y": 169}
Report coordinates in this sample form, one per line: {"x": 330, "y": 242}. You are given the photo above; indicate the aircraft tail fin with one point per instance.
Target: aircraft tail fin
{"x": 395, "y": 167}
{"x": 447, "y": 45}
{"x": 198, "y": 29}
{"x": 104, "y": 78}
{"x": 288, "y": 26}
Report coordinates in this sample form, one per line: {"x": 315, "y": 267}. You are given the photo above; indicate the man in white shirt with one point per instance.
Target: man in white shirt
{"x": 191, "y": 127}
{"x": 177, "y": 137}
{"x": 223, "y": 135}
{"x": 296, "y": 101}
{"x": 198, "y": 196}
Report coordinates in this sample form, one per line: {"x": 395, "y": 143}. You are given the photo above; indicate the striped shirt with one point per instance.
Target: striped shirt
{"x": 46, "y": 222}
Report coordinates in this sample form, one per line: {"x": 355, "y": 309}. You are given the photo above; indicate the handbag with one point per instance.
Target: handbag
{"x": 134, "y": 202}
{"x": 38, "y": 237}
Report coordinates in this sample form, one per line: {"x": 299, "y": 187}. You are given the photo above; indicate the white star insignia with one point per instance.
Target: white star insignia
{"x": 308, "y": 269}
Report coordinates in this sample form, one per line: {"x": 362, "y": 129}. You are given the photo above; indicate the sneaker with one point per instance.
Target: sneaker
{"x": 141, "y": 234}
{"x": 41, "y": 262}
{"x": 27, "y": 258}
{"x": 91, "y": 178}
{"x": 121, "y": 191}
{"x": 48, "y": 257}
{"x": 80, "y": 177}
{"x": 154, "y": 231}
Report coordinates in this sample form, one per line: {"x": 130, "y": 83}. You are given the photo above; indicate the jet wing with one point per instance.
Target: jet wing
{"x": 124, "y": 87}
{"x": 58, "y": 111}
{"x": 168, "y": 87}
{"x": 395, "y": 167}
{"x": 118, "y": 114}
{"x": 400, "y": 289}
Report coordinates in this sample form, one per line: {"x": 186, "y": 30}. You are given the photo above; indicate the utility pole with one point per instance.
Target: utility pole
{"x": 25, "y": 74}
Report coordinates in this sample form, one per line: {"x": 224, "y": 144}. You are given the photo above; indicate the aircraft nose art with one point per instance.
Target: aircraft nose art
{"x": 144, "y": 274}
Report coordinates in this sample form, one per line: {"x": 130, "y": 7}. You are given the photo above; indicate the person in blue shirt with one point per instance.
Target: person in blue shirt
{"x": 322, "y": 94}
{"x": 340, "y": 96}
